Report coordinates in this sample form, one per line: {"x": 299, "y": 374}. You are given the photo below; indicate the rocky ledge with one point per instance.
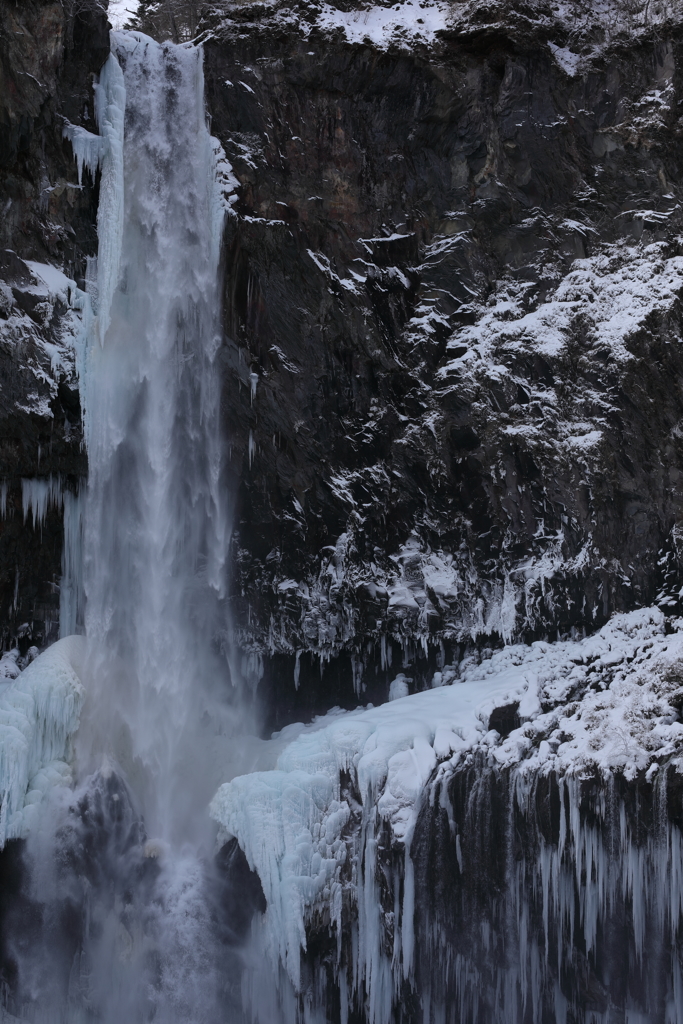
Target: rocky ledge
{"x": 506, "y": 846}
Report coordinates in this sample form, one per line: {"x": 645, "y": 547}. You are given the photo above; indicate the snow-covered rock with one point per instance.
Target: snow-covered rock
{"x": 315, "y": 829}
{"x": 463, "y": 311}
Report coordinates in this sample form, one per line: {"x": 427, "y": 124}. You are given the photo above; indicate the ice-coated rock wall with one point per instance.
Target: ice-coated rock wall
{"x": 39, "y": 713}
{"x": 504, "y": 847}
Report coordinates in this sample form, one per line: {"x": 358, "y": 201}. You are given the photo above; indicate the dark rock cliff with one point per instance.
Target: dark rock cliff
{"x": 453, "y": 399}
{"x": 452, "y": 311}
{"x": 452, "y": 301}
{"x": 49, "y": 53}
{"x": 433, "y": 432}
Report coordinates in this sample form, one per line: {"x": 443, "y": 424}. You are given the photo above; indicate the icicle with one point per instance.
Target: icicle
{"x": 407, "y": 922}
{"x": 38, "y": 494}
{"x": 357, "y": 673}
{"x": 88, "y": 149}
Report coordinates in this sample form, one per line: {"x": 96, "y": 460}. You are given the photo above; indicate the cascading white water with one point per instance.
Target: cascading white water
{"x": 155, "y": 523}
{"x": 157, "y": 730}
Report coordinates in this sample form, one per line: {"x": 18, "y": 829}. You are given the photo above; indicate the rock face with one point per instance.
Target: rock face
{"x": 536, "y": 900}
{"x": 452, "y": 394}
{"x": 452, "y": 312}
{"x": 452, "y": 300}
{"x": 49, "y": 53}
{"x": 573, "y": 881}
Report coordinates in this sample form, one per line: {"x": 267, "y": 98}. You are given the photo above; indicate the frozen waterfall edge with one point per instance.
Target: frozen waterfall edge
{"x": 417, "y": 863}
{"x": 39, "y": 715}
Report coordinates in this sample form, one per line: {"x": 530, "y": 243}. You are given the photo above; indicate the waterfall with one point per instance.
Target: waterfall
{"x": 121, "y": 869}
{"x": 155, "y": 519}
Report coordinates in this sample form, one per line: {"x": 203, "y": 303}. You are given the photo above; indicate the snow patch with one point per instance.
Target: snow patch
{"x": 569, "y": 62}
{"x": 401, "y": 24}
{"x": 612, "y": 294}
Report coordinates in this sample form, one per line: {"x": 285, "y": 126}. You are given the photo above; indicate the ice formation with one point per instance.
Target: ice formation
{"x": 313, "y": 828}
{"x": 37, "y": 494}
{"x": 110, "y": 106}
{"x": 88, "y": 149}
{"x": 105, "y": 152}
{"x": 39, "y": 713}
{"x": 292, "y": 822}
{"x": 71, "y": 595}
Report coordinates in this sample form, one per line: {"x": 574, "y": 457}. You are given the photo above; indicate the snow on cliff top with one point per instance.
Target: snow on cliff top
{"x": 584, "y": 27}
{"x": 606, "y": 703}
{"x": 406, "y": 21}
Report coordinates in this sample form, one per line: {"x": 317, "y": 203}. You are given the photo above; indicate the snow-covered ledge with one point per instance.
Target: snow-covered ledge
{"x": 310, "y": 827}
